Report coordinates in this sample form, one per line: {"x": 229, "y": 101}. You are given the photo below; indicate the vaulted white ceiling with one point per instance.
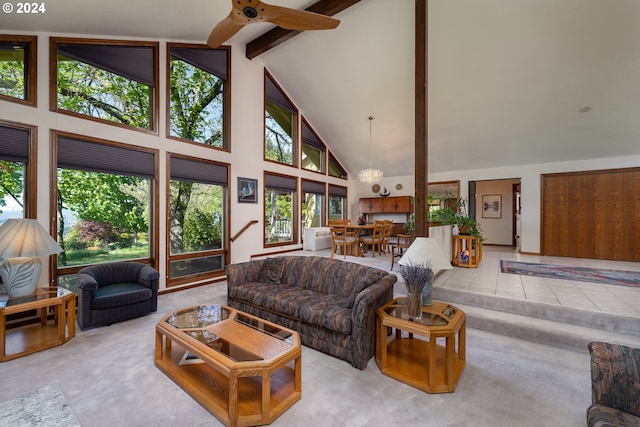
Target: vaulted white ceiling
{"x": 507, "y": 78}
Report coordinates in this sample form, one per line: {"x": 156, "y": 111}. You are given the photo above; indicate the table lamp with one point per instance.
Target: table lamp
{"x": 22, "y": 243}
{"x": 417, "y": 267}
{"x": 424, "y": 250}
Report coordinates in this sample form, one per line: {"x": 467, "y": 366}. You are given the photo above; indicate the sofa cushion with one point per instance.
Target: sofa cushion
{"x": 120, "y": 294}
{"x": 279, "y": 298}
{"x": 271, "y": 270}
{"x": 327, "y": 311}
{"x": 302, "y": 272}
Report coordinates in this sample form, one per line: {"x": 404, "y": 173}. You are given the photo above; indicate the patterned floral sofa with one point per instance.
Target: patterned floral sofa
{"x": 615, "y": 385}
{"x": 331, "y": 303}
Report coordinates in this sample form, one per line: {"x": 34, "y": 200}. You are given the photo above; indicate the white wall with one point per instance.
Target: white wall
{"x": 246, "y": 157}
{"x": 497, "y": 231}
{"x": 530, "y": 177}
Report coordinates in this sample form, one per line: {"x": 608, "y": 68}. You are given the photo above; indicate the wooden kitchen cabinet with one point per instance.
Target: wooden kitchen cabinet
{"x": 375, "y": 205}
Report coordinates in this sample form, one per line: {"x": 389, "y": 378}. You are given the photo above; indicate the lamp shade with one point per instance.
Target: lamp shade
{"x": 21, "y": 237}
{"x": 425, "y": 250}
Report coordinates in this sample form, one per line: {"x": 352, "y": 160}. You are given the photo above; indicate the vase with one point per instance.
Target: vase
{"x": 414, "y": 304}
{"x": 426, "y": 296}
{"x": 426, "y": 292}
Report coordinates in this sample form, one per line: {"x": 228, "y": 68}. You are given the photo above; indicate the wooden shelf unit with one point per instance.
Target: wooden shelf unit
{"x": 462, "y": 243}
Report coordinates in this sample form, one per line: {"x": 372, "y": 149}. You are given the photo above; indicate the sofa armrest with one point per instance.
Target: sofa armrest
{"x": 87, "y": 283}
{"x": 363, "y": 318}
{"x": 615, "y": 376}
{"x": 149, "y": 276}
{"x": 244, "y": 272}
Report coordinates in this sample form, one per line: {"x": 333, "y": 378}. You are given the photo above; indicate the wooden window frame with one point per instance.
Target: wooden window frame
{"x": 226, "y": 120}
{"x": 31, "y": 69}
{"x": 154, "y": 203}
{"x": 154, "y": 92}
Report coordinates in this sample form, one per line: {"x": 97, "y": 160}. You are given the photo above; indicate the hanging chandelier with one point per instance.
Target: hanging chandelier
{"x": 370, "y": 175}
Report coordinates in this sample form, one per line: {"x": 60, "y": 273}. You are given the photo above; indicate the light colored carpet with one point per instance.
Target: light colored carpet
{"x": 109, "y": 378}
{"x": 44, "y": 407}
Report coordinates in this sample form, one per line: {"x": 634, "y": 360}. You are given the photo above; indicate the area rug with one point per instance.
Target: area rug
{"x": 578, "y": 274}
{"x": 46, "y": 406}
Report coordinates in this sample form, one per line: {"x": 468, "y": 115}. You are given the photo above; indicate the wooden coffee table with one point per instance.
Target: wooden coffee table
{"x": 27, "y": 339}
{"x": 430, "y": 361}
{"x": 244, "y": 370}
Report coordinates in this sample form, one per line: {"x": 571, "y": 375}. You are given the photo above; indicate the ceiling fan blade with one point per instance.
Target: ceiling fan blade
{"x": 245, "y": 12}
{"x": 294, "y": 19}
{"x": 224, "y": 31}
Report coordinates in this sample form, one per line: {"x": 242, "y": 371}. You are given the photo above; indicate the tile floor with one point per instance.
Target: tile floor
{"x": 489, "y": 280}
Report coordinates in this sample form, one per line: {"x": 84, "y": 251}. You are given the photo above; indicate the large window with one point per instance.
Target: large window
{"x": 104, "y": 201}
{"x": 17, "y": 171}
{"x": 313, "y": 149}
{"x": 18, "y": 68}
{"x": 198, "y": 94}
{"x": 110, "y": 81}
{"x": 337, "y": 202}
{"x": 197, "y": 219}
{"x": 280, "y": 125}
{"x": 313, "y": 194}
{"x": 335, "y": 168}
{"x": 279, "y": 209}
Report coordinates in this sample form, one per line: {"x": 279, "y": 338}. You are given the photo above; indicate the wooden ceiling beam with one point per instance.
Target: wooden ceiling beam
{"x": 278, "y": 35}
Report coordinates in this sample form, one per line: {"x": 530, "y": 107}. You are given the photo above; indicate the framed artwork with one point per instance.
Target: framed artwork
{"x": 247, "y": 190}
{"x": 492, "y": 206}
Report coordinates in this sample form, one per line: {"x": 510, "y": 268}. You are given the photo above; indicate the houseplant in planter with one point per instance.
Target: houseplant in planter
{"x": 460, "y": 217}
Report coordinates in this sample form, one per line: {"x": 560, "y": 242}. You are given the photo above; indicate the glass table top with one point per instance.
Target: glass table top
{"x": 39, "y": 295}
{"x": 198, "y": 316}
{"x": 429, "y": 317}
{"x": 196, "y": 322}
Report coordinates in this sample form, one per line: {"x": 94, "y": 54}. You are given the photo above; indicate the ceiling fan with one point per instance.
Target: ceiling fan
{"x": 245, "y": 12}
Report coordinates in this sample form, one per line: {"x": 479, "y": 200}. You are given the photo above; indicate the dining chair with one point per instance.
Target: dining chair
{"x": 404, "y": 241}
{"x": 388, "y": 230}
{"x": 342, "y": 239}
{"x": 375, "y": 238}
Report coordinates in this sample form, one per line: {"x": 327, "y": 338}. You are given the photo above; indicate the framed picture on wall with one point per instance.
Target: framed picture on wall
{"x": 247, "y": 190}
{"x": 492, "y": 206}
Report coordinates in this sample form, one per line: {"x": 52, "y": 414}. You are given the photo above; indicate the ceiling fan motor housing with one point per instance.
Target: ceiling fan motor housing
{"x": 250, "y": 12}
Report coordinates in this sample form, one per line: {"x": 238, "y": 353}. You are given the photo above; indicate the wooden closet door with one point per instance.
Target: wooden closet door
{"x": 631, "y": 216}
{"x": 593, "y": 214}
{"x": 555, "y": 215}
{"x": 609, "y": 216}
{"x": 582, "y": 216}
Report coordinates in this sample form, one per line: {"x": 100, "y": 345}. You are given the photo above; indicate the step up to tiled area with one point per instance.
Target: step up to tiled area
{"x": 559, "y": 326}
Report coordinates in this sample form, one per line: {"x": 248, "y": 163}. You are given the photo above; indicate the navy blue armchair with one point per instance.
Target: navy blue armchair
{"x": 117, "y": 291}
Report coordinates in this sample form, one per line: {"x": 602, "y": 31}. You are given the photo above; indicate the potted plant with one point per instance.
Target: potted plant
{"x": 460, "y": 217}
{"x": 418, "y": 279}
{"x": 410, "y": 225}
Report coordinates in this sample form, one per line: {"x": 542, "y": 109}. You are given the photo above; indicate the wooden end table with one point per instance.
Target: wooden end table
{"x": 244, "y": 370}
{"x": 434, "y": 358}
{"x": 23, "y": 340}
{"x": 466, "y": 250}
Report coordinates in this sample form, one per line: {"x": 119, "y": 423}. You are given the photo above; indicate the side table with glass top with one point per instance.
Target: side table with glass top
{"x": 22, "y": 340}
{"x": 426, "y": 353}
